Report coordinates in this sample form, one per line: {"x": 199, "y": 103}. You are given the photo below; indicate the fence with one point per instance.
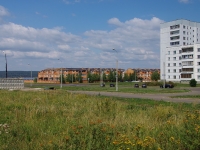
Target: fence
{"x": 11, "y": 83}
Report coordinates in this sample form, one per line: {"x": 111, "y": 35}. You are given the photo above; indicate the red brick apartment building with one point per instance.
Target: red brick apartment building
{"x": 52, "y": 75}
{"x": 144, "y": 73}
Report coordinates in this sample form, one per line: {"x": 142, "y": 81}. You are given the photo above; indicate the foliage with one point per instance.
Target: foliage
{"x": 111, "y": 76}
{"x": 79, "y": 78}
{"x": 126, "y": 77}
{"x": 93, "y": 77}
{"x": 63, "y": 78}
{"x": 70, "y": 78}
{"x": 35, "y": 80}
{"x": 155, "y": 76}
{"x": 61, "y": 120}
{"x": 193, "y": 83}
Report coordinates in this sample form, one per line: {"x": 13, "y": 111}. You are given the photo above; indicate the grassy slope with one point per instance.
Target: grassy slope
{"x": 60, "y": 120}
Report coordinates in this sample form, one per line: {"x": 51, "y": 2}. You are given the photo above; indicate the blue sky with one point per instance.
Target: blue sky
{"x": 82, "y": 33}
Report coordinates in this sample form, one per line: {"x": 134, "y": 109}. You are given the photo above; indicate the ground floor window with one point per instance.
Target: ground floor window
{"x": 186, "y": 75}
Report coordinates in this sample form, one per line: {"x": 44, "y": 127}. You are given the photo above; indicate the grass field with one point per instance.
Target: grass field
{"x": 57, "y": 119}
{"x": 126, "y": 87}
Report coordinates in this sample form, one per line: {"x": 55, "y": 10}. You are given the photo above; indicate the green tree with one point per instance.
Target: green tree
{"x": 193, "y": 83}
{"x": 155, "y": 76}
{"x": 35, "y": 80}
{"x": 131, "y": 77}
{"x": 69, "y": 78}
{"x": 63, "y": 78}
{"x": 120, "y": 77}
{"x": 111, "y": 76}
{"x": 126, "y": 77}
{"x": 89, "y": 76}
{"x": 104, "y": 77}
{"x": 79, "y": 78}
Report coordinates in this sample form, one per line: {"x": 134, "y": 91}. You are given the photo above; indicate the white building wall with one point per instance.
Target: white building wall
{"x": 177, "y": 63}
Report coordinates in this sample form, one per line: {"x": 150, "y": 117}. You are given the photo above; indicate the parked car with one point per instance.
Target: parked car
{"x": 136, "y": 85}
{"x": 112, "y": 85}
{"x": 102, "y": 84}
{"x": 144, "y": 86}
{"x": 167, "y": 86}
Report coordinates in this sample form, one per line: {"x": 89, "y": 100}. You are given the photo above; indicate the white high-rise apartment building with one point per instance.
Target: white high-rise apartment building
{"x": 180, "y": 50}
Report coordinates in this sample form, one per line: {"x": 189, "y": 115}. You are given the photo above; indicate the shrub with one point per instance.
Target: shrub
{"x": 193, "y": 83}
{"x": 35, "y": 80}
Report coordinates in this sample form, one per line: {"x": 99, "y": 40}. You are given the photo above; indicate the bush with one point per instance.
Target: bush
{"x": 193, "y": 83}
{"x": 35, "y": 80}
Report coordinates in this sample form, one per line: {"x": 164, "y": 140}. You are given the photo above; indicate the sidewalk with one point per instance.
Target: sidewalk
{"x": 158, "y": 97}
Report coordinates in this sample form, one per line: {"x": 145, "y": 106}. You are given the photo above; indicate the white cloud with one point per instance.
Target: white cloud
{"x": 134, "y": 40}
{"x": 3, "y": 11}
{"x": 184, "y": 1}
{"x": 71, "y": 1}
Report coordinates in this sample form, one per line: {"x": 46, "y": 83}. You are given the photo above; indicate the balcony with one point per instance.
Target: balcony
{"x": 175, "y": 27}
{"x": 174, "y": 32}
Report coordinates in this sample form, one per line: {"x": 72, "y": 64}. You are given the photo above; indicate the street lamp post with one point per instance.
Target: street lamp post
{"x": 31, "y": 74}
{"x": 6, "y": 64}
{"x": 61, "y": 77}
{"x": 116, "y": 71}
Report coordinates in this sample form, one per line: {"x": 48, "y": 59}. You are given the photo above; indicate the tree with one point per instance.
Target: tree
{"x": 111, "y": 76}
{"x": 104, "y": 77}
{"x": 126, "y": 77}
{"x": 193, "y": 83}
{"x": 131, "y": 77}
{"x": 63, "y": 78}
{"x": 35, "y": 80}
{"x": 79, "y": 78}
{"x": 120, "y": 77}
{"x": 155, "y": 76}
{"x": 69, "y": 78}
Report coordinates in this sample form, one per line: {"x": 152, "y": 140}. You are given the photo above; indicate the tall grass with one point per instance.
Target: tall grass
{"x": 61, "y": 120}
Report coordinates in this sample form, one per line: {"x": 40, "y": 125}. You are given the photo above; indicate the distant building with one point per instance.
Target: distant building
{"x": 145, "y": 74}
{"x": 180, "y": 50}
{"x": 52, "y": 75}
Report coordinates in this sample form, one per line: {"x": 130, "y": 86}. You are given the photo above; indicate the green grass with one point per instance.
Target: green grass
{"x": 126, "y": 87}
{"x": 57, "y": 119}
{"x": 187, "y": 96}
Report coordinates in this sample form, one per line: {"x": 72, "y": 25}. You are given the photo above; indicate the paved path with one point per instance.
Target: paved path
{"x": 158, "y": 97}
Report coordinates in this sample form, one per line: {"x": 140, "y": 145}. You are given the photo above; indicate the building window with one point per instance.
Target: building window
{"x": 168, "y": 58}
{"x": 198, "y": 63}
{"x": 168, "y": 77}
{"x": 174, "y": 64}
{"x": 183, "y": 38}
{"x": 168, "y": 52}
{"x": 168, "y": 64}
{"x": 174, "y": 77}
{"x": 198, "y": 56}
{"x": 180, "y": 51}
{"x": 168, "y": 70}
{"x": 179, "y": 70}
{"x": 174, "y": 70}
{"x": 174, "y": 58}
{"x": 198, "y": 70}
{"x": 198, "y": 49}
{"x": 174, "y": 43}
{"x": 174, "y": 52}
{"x": 180, "y": 64}
{"x": 183, "y": 32}
{"x": 183, "y": 27}
{"x": 198, "y": 77}
{"x": 175, "y": 26}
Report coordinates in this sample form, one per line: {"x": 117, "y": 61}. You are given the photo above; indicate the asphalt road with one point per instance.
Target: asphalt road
{"x": 158, "y": 97}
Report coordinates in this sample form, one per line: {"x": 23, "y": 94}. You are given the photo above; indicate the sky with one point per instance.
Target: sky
{"x": 40, "y": 34}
